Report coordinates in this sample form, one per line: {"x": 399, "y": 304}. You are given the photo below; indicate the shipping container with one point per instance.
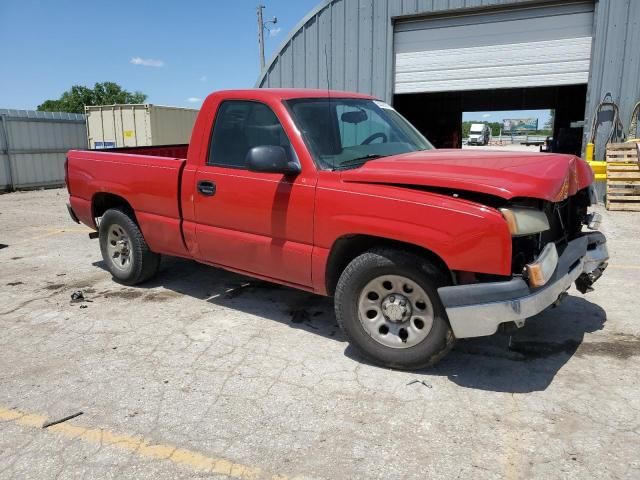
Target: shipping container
{"x": 110, "y": 126}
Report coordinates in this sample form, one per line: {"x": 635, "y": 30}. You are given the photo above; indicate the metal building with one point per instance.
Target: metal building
{"x": 434, "y": 59}
{"x": 33, "y": 146}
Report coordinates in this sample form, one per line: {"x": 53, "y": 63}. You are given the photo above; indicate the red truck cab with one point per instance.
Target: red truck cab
{"x": 337, "y": 194}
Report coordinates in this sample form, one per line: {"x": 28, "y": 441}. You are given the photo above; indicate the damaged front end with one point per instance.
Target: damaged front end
{"x": 554, "y": 245}
{"x": 564, "y": 222}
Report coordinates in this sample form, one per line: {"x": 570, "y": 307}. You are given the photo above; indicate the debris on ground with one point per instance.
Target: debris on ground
{"x": 299, "y": 316}
{"x": 302, "y": 316}
{"x": 77, "y": 296}
{"x": 3, "y": 245}
{"x": 428, "y": 385}
{"x": 64, "y": 419}
{"x": 13, "y": 284}
{"x": 83, "y": 306}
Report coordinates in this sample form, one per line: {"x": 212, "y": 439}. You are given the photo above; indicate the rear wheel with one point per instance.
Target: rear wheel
{"x": 387, "y": 303}
{"x": 124, "y": 250}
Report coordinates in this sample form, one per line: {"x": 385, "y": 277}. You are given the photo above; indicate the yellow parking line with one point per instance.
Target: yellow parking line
{"x": 625, "y": 267}
{"x": 139, "y": 446}
{"x": 50, "y": 232}
{"x": 512, "y": 457}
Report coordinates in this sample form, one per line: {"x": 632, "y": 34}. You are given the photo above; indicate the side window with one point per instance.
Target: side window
{"x": 241, "y": 125}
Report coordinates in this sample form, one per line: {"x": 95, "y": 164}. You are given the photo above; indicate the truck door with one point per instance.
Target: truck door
{"x": 255, "y": 222}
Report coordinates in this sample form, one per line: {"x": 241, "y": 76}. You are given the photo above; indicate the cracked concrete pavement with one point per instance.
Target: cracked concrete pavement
{"x": 202, "y": 373}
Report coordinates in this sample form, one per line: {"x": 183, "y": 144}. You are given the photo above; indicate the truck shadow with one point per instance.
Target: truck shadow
{"x": 526, "y": 360}
{"x": 292, "y": 307}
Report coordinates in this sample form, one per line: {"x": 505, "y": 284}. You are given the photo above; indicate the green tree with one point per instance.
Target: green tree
{"x": 75, "y": 99}
{"x": 548, "y": 125}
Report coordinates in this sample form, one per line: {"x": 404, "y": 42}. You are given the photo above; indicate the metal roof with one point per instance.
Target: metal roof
{"x": 36, "y": 114}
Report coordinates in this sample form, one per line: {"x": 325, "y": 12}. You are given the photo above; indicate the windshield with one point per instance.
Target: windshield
{"x": 345, "y": 133}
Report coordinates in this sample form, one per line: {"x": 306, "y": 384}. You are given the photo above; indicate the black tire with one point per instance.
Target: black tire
{"x": 384, "y": 261}
{"x": 144, "y": 263}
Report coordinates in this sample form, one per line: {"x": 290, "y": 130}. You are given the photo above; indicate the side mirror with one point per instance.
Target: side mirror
{"x": 271, "y": 159}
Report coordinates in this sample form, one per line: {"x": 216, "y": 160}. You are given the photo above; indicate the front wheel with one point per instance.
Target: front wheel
{"x": 124, "y": 250}
{"x": 387, "y": 303}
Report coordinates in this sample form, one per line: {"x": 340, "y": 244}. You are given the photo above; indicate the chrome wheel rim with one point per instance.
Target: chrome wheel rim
{"x": 395, "y": 311}
{"x": 119, "y": 248}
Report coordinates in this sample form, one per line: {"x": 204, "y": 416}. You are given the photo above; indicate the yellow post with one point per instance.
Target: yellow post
{"x": 588, "y": 152}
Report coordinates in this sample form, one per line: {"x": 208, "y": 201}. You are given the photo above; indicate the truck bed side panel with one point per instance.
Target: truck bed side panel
{"x": 151, "y": 185}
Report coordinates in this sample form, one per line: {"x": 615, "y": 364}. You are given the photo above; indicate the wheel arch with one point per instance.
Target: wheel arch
{"x": 103, "y": 201}
{"x": 348, "y": 247}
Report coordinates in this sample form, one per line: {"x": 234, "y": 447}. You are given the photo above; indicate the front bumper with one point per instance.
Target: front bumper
{"x": 477, "y": 310}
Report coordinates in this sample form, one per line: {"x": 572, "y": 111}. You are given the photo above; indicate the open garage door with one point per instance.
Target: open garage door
{"x": 527, "y": 47}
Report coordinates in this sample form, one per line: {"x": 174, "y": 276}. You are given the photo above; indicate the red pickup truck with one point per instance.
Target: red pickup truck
{"x": 337, "y": 194}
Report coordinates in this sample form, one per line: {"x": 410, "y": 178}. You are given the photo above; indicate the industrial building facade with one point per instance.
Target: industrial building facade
{"x": 435, "y": 59}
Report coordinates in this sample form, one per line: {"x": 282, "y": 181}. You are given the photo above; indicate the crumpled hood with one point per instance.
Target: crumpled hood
{"x": 550, "y": 176}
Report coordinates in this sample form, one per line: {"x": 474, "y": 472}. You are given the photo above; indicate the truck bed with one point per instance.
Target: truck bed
{"x": 147, "y": 177}
{"x": 170, "y": 151}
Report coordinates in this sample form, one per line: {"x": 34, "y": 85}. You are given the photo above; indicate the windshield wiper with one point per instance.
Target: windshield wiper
{"x": 357, "y": 162}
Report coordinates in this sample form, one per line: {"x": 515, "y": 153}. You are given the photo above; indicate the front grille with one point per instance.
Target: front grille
{"x": 565, "y": 222}
{"x": 561, "y": 222}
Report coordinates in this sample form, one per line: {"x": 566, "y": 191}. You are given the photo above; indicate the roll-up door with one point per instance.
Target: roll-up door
{"x": 527, "y": 47}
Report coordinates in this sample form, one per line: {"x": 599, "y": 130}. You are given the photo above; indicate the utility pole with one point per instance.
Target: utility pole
{"x": 262, "y": 26}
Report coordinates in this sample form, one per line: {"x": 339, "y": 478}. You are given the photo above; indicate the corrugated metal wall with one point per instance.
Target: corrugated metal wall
{"x": 615, "y": 61}
{"x": 33, "y": 146}
{"x": 357, "y": 36}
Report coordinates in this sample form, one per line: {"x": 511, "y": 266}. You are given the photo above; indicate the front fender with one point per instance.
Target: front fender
{"x": 467, "y": 236}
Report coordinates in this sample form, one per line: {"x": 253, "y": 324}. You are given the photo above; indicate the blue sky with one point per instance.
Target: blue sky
{"x": 541, "y": 115}
{"x": 173, "y": 51}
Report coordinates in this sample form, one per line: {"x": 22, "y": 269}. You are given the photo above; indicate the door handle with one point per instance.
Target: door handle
{"x": 207, "y": 188}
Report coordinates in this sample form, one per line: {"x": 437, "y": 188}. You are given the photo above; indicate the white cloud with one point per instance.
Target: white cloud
{"x": 274, "y": 32}
{"x": 194, "y": 99}
{"x": 147, "y": 62}
{"x": 486, "y": 115}
{"x": 203, "y": 78}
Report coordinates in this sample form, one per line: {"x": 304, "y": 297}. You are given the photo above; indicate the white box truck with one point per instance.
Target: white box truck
{"x": 479, "y": 134}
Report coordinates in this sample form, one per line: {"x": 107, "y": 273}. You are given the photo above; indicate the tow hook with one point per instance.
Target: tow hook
{"x": 584, "y": 283}
{"x": 560, "y": 298}
{"x": 593, "y": 221}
